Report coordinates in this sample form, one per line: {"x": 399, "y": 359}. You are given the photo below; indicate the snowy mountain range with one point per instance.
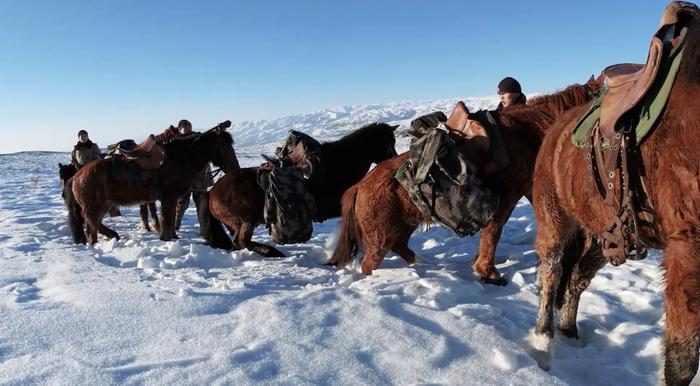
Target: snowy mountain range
{"x": 329, "y": 124}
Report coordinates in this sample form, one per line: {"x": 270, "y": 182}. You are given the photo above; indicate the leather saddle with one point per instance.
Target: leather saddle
{"x": 628, "y": 83}
{"x": 481, "y": 145}
{"x": 477, "y": 139}
{"x": 148, "y": 154}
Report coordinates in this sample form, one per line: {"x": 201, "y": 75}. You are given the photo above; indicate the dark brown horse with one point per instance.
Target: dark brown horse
{"x": 238, "y": 201}
{"x": 569, "y": 210}
{"x": 65, "y": 172}
{"x": 94, "y": 190}
{"x": 379, "y": 214}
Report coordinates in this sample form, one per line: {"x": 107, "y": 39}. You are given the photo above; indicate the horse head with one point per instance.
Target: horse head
{"x": 378, "y": 140}
{"x": 65, "y": 172}
{"x": 222, "y": 154}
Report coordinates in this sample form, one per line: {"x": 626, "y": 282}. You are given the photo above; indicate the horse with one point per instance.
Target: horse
{"x": 573, "y": 217}
{"x": 94, "y": 190}
{"x": 379, "y": 214}
{"x": 65, "y": 172}
{"x": 238, "y": 201}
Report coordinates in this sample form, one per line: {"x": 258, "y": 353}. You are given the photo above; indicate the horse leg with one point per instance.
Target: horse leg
{"x": 201, "y": 202}
{"x": 583, "y": 271}
{"x": 549, "y": 244}
{"x": 182, "y": 203}
{"x": 372, "y": 259}
{"x": 93, "y": 221}
{"x": 401, "y": 248}
{"x": 167, "y": 220}
{"x": 143, "y": 209}
{"x": 114, "y": 211}
{"x": 244, "y": 237}
{"x": 490, "y": 235}
{"x": 108, "y": 232}
{"x": 682, "y": 277}
{"x": 154, "y": 214}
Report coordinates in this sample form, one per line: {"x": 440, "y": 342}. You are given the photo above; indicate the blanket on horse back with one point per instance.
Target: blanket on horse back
{"x": 289, "y": 206}
{"x": 630, "y": 104}
{"x": 439, "y": 177}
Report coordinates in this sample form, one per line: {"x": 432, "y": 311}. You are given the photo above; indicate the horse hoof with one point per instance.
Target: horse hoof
{"x": 540, "y": 349}
{"x": 500, "y": 281}
{"x": 275, "y": 253}
{"x": 571, "y": 333}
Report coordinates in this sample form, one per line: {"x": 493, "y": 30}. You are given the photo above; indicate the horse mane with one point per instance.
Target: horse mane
{"x": 558, "y": 103}
{"x": 360, "y": 133}
{"x": 690, "y": 63}
{"x": 525, "y": 117}
{"x": 185, "y": 142}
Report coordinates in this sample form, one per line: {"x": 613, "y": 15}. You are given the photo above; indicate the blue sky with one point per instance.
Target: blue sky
{"x": 122, "y": 69}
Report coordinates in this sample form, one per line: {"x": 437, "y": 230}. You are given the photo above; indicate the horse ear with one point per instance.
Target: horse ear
{"x": 394, "y": 127}
{"x": 591, "y": 79}
{"x": 60, "y": 165}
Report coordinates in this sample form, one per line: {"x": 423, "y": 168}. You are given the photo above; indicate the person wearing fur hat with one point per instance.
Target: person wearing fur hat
{"x": 84, "y": 151}
{"x": 510, "y": 93}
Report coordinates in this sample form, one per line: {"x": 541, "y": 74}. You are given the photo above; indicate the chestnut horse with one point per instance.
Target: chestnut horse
{"x": 65, "y": 172}
{"x": 378, "y": 213}
{"x": 568, "y": 208}
{"x": 94, "y": 190}
{"x": 238, "y": 201}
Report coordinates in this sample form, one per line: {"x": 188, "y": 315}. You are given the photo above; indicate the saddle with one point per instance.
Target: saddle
{"x": 477, "y": 139}
{"x": 628, "y": 83}
{"x": 148, "y": 154}
{"x": 633, "y": 100}
{"x": 482, "y": 141}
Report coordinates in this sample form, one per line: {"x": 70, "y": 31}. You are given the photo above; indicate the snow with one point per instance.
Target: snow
{"x": 140, "y": 310}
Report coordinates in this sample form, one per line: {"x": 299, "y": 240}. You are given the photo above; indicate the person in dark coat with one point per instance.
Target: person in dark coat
{"x": 510, "y": 93}
{"x": 84, "y": 151}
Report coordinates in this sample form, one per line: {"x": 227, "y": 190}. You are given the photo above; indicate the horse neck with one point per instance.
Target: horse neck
{"x": 555, "y": 105}
{"x": 196, "y": 156}
{"x": 345, "y": 160}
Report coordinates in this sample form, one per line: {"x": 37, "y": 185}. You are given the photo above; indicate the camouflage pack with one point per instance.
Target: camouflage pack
{"x": 289, "y": 207}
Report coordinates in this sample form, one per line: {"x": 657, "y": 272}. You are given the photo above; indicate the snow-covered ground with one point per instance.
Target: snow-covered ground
{"x": 144, "y": 311}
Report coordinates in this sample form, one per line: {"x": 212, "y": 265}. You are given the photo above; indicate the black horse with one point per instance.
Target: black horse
{"x": 238, "y": 201}
{"x": 93, "y": 189}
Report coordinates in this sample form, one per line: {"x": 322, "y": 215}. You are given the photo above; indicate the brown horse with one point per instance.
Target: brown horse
{"x": 238, "y": 201}
{"x": 94, "y": 190}
{"x": 378, "y": 213}
{"x": 65, "y": 172}
{"x": 569, "y": 210}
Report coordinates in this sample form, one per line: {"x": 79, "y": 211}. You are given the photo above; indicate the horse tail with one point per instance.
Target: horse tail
{"x": 76, "y": 222}
{"x": 216, "y": 236}
{"x": 211, "y": 229}
{"x": 348, "y": 244}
